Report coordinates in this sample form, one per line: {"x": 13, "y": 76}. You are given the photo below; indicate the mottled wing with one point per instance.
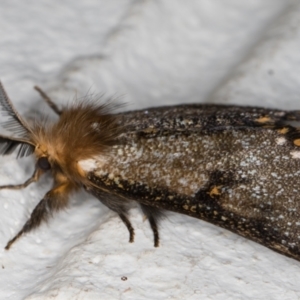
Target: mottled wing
{"x": 242, "y": 178}
{"x": 195, "y": 117}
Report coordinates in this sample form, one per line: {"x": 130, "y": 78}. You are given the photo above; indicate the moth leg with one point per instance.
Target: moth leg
{"x": 52, "y": 201}
{"x": 152, "y": 215}
{"x": 129, "y": 227}
{"x": 48, "y": 100}
{"x": 35, "y": 176}
{"x": 120, "y": 207}
{"x": 116, "y": 204}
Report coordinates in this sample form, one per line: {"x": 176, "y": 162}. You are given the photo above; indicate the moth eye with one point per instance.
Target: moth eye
{"x": 43, "y": 163}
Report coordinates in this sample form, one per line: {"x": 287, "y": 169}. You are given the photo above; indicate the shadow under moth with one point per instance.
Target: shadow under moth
{"x": 236, "y": 167}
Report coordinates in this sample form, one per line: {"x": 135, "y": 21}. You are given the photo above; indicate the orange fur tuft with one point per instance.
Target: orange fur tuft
{"x": 82, "y": 131}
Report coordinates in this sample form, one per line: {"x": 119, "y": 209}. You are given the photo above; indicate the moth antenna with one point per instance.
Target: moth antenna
{"x": 48, "y": 100}
{"x": 14, "y": 122}
{"x": 9, "y": 144}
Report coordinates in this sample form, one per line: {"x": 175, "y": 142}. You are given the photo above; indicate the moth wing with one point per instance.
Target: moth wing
{"x": 233, "y": 167}
{"x": 201, "y": 117}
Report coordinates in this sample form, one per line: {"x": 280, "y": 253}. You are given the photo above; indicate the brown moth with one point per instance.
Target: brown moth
{"x": 236, "y": 167}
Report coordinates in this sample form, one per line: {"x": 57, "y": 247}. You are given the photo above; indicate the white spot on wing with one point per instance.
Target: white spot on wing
{"x": 88, "y": 165}
{"x": 91, "y": 164}
{"x": 295, "y": 154}
{"x": 280, "y": 141}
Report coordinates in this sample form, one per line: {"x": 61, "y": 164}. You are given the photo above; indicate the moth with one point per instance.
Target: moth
{"x": 236, "y": 167}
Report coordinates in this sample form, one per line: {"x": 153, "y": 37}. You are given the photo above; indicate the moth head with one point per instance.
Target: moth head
{"x": 83, "y": 131}
{"x": 42, "y": 157}
{"x": 45, "y": 152}
{"x": 20, "y": 137}
{"x": 43, "y": 163}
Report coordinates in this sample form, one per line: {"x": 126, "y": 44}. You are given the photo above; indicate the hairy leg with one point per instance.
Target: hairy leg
{"x": 152, "y": 214}
{"x": 54, "y": 200}
{"x": 129, "y": 227}
{"x": 116, "y": 204}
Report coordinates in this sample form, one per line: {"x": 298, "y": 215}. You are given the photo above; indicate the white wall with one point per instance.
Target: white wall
{"x": 146, "y": 53}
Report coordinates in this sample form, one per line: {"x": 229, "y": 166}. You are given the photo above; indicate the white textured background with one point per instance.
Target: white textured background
{"x": 146, "y": 53}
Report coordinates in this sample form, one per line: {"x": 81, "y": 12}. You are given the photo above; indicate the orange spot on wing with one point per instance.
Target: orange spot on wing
{"x": 283, "y": 130}
{"x": 215, "y": 191}
{"x": 264, "y": 119}
{"x": 297, "y": 142}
